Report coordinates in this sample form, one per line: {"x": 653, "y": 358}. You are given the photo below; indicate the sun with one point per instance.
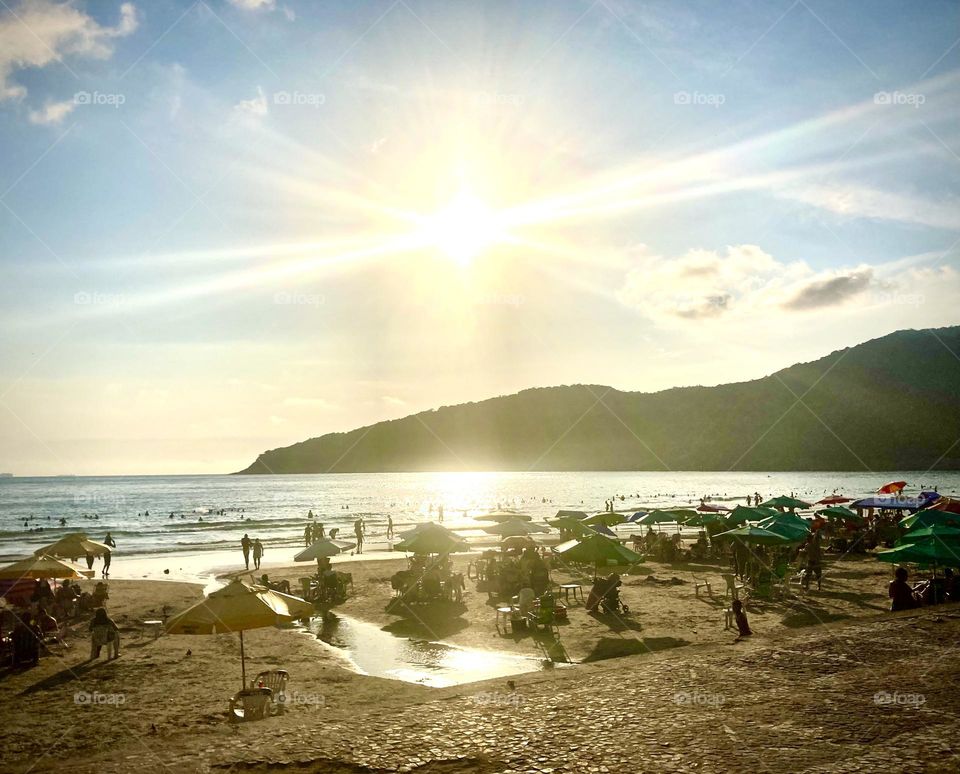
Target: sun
{"x": 464, "y": 228}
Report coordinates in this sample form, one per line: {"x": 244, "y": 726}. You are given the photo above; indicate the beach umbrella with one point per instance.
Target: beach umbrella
{"x": 431, "y": 538}
{"x": 323, "y": 548}
{"x": 929, "y": 518}
{"x": 834, "y": 500}
{"x": 660, "y": 516}
{"x": 703, "y": 519}
{"x": 518, "y": 541}
{"x": 792, "y": 530}
{"x": 707, "y": 508}
{"x": 893, "y": 487}
{"x": 757, "y": 535}
{"x": 634, "y": 518}
{"x": 742, "y": 514}
{"x": 598, "y": 550}
{"x": 785, "y": 502}
{"x": 606, "y": 518}
{"x": 238, "y": 607}
{"x": 839, "y": 512}
{"x": 74, "y": 546}
{"x": 927, "y": 552}
{"x": 578, "y": 515}
{"x": 508, "y": 528}
{"x": 43, "y": 568}
{"x": 940, "y": 532}
{"x": 504, "y": 516}
{"x": 568, "y": 524}
{"x": 601, "y": 529}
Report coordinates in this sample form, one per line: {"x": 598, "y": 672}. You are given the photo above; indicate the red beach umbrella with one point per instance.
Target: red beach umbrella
{"x": 894, "y": 487}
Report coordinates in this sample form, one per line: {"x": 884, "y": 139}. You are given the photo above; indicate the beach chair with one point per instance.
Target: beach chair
{"x": 733, "y": 586}
{"x": 701, "y": 583}
{"x": 276, "y": 681}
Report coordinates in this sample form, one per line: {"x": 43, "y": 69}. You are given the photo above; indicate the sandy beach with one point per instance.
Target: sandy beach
{"x": 168, "y": 697}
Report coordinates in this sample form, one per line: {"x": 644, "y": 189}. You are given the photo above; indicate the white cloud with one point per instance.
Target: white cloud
{"x": 391, "y": 400}
{"x": 253, "y": 107}
{"x": 737, "y": 282}
{"x": 38, "y": 32}
{"x": 52, "y": 112}
{"x": 254, "y": 5}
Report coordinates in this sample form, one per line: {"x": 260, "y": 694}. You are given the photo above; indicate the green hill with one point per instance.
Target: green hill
{"x": 889, "y": 404}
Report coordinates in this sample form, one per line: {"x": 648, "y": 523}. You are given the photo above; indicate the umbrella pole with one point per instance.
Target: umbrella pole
{"x": 243, "y": 665}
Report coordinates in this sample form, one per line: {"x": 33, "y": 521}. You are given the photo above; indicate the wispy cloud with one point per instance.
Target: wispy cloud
{"x": 36, "y": 33}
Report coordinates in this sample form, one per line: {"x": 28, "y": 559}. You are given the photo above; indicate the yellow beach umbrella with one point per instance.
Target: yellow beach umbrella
{"x": 238, "y": 607}
{"x": 42, "y": 568}
{"x": 74, "y": 546}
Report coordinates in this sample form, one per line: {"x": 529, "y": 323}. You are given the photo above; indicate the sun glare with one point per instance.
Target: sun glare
{"x": 463, "y": 229}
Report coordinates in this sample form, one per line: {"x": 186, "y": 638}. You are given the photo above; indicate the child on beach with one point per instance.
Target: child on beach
{"x": 741, "y": 618}
{"x": 103, "y": 632}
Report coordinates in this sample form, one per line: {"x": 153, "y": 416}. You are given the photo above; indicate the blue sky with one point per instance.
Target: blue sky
{"x": 228, "y": 226}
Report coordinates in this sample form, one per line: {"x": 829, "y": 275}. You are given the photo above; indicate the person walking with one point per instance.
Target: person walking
{"x": 308, "y": 535}
{"x": 104, "y": 632}
{"x": 245, "y": 544}
{"x": 105, "y": 572}
{"x": 358, "y": 532}
{"x": 389, "y": 527}
{"x": 257, "y": 553}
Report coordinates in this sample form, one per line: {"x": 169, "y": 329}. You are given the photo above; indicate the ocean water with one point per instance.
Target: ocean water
{"x": 213, "y": 512}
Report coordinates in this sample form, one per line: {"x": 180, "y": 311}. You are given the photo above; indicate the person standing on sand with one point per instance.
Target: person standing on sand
{"x": 358, "y": 532}
{"x": 109, "y": 541}
{"x": 389, "y": 527}
{"x": 245, "y": 546}
{"x": 308, "y": 535}
{"x": 319, "y": 533}
{"x": 257, "y": 553}
{"x": 105, "y": 572}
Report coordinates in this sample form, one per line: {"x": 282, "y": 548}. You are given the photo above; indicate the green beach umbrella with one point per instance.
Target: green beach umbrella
{"x": 756, "y": 535}
{"x": 568, "y": 524}
{"x": 742, "y": 514}
{"x": 928, "y": 552}
{"x": 431, "y": 538}
{"x": 930, "y": 518}
{"x": 787, "y": 528}
{"x": 936, "y": 532}
{"x": 839, "y": 512}
{"x": 677, "y": 515}
{"x": 514, "y": 527}
{"x": 578, "y": 515}
{"x": 785, "y": 502}
{"x": 606, "y": 518}
{"x": 597, "y": 550}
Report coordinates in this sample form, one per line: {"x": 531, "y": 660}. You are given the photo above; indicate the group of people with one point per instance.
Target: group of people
{"x": 506, "y": 573}
{"x": 44, "y": 613}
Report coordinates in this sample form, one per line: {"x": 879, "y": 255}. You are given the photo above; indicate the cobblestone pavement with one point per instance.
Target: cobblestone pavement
{"x": 863, "y": 696}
